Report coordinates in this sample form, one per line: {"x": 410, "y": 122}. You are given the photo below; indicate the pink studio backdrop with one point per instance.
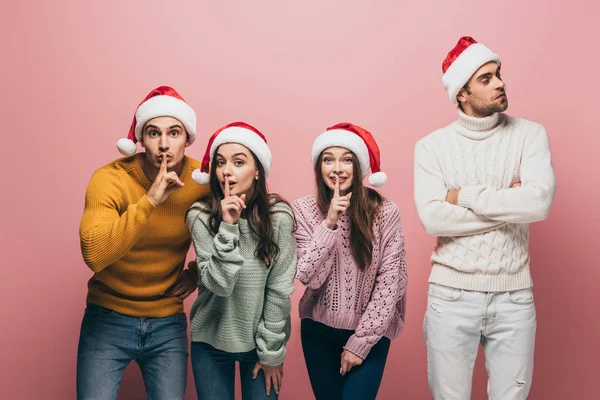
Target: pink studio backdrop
{"x": 74, "y": 71}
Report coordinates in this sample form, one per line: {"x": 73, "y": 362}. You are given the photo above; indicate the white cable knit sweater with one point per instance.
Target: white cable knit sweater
{"x": 483, "y": 242}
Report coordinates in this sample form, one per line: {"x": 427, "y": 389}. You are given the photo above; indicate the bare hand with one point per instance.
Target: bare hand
{"x": 164, "y": 184}
{"x": 452, "y": 197}
{"x": 231, "y": 206}
{"x": 338, "y": 206}
{"x": 515, "y": 185}
{"x": 273, "y": 376}
{"x": 183, "y": 287}
{"x": 349, "y": 360}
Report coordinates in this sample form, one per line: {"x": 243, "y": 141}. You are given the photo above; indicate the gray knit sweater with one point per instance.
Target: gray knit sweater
{"x": 243, "y": 305}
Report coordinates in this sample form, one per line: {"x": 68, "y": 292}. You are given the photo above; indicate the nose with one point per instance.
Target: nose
{"x": 499, "y": 83}
{"x": 337, "y": 167}
{"x": 163, "y": 145}
{"x": 227, "y": 169}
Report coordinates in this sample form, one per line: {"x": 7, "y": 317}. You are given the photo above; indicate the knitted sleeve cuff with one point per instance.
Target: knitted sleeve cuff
{"x": 229, "y": 230}
{"x": 358, "y": 346}
{"x": 324, "y": 235}
{"x": 145, "y": 207}
{"x": 467, "y": 195}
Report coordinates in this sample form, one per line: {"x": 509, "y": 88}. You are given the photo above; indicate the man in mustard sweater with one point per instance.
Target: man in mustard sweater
{"x": 135, "y": 240}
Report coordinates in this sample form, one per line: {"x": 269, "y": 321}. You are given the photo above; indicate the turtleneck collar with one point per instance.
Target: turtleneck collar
{"x": 478, "y": 128}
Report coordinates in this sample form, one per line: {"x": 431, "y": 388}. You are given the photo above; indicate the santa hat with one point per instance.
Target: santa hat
{"x": 360, "y": 142}
{"x": 236, "y": 132}
{"x": 163, "y": 101}
{"x": 462, "y": 62}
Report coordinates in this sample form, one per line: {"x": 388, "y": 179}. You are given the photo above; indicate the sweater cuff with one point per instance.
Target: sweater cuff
{"x": 466, "y": 196}
{"x": 358, "y": 346}
{"x": 229, "y": 230}
{"x": 145, "y": 207}
{"x": 324, "y": 235}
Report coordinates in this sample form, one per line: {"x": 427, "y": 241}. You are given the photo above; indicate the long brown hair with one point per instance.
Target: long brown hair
{"x": 259, "y": 207}
{"x": 364, "y": 205}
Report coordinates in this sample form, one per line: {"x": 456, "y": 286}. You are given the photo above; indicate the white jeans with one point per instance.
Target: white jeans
{"x": 457, "y": 321}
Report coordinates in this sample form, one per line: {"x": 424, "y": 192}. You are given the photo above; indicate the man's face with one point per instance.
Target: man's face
{"x": 485, "y": 93}
{"x": 164, "y": 135}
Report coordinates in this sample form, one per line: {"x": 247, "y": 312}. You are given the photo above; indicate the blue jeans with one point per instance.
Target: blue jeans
{"x": 323, "y": 346}
{"x": 214, "y": 374}
{"x": 109, "y": 341}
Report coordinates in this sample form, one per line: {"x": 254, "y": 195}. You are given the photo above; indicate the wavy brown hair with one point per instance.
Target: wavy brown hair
{"x": 259, "y": 207}
{"x": 364, "y": 205}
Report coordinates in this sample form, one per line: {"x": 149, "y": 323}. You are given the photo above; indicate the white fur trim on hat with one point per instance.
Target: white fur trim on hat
{"x": 248, "y": 138}
{"x": 465, "y": 65}
{"x": 126, "y": 147}
{"x": 165, "y": 106}
{"x": 347, "y": 139}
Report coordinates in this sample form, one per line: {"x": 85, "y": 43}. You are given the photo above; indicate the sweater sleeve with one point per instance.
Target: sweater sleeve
{"x": 529, "y": 203}
{"x": 105, "y": 233}
{"x": 274, "y": 324}
{"x": 440, "y": 218}
{"x": 390, "y": 289}
{"x": 315, "y": 259}
{"x": 218, "y": 258}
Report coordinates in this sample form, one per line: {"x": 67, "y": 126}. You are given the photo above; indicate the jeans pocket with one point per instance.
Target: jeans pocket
{"x": 445, "y": 292}
{"x": 92, "y": 310}
{"x": 523, "y": 296}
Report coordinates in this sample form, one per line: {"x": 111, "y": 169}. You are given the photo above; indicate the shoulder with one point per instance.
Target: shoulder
{"x": 198, "y": 211}
{"x": 431, "y": 140}
{"x": 525, "y": 125}
{"x": 282, "y": 214}
{"x": 389, "y": 213}
{"x": 306, "y": 209}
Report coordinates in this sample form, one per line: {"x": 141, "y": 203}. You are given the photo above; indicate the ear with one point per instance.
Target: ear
{"x": 462, "y": 95}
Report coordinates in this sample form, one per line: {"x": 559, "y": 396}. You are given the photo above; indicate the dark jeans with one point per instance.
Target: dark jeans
{"x": 323, "y": 347}
{"x": 109, "y": 341}
{"x": 214, "y": 374}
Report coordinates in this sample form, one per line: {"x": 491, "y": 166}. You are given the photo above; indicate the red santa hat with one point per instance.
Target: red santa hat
{"x": 360, "y": 142}
{"x": 235, "y": 132}
{"x": 462, "y": 62}
{"x": 163, "y": 101}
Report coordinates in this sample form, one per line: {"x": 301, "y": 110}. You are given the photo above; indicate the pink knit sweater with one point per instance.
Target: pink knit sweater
{"x": 338, "y": 293}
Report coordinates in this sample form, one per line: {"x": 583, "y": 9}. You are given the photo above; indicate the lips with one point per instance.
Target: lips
{"x": 342, "y": 180}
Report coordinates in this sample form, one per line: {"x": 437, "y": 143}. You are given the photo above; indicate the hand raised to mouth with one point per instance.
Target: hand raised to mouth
{"x": 231, "y": 206}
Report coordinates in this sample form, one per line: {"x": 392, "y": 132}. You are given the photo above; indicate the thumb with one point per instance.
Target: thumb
{"x": 255, "y": 371}
{"x": 349, "y": 195}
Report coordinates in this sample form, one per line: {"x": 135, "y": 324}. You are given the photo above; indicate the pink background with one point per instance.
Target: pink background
{"x": 74, "y": 71}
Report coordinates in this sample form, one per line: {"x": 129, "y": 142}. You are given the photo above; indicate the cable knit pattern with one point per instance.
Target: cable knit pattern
{"x": 483, "y": 241}
{"x": 242, "y": 304}
{"x": 338, "y": 293}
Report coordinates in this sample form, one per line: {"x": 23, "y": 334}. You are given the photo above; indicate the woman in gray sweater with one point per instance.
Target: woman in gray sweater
{"x": 246, "y": 260}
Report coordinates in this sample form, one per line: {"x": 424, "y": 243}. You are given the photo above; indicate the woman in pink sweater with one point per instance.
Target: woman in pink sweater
{"x": 352, "y": 260}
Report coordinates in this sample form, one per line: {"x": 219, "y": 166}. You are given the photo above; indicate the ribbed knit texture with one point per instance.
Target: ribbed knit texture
{"x": 483, "y": 241}
{"x": 135, "y": 250}
{"x": 371, "y": 302}
{"x": 242, "y": 304}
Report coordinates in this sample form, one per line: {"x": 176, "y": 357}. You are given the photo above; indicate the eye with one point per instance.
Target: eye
{"x": 220, "y": 163}
{"x": 348, "y": 159}
{"x": 153, "y": 133}
{"x": 174, "y": 133}
{"x": 238, "y": 163}
{"x": 485, "y": 81}
{"x": 327, "y": 160}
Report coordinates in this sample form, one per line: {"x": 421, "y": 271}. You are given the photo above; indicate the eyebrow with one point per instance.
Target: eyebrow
{"x": 156, "y": 127}
{"x": 234, "y": 155}
{"x": 347, "y": 153}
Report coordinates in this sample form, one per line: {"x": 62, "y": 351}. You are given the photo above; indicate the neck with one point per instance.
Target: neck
{"x": 151, "y": 172}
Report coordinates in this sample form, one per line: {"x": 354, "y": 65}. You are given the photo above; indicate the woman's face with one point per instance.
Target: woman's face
{"x": 336, "y": 164}
{"x": 235, "y": 163}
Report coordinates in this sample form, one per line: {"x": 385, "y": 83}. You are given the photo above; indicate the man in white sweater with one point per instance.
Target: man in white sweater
{"x": 479, "y": 182}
